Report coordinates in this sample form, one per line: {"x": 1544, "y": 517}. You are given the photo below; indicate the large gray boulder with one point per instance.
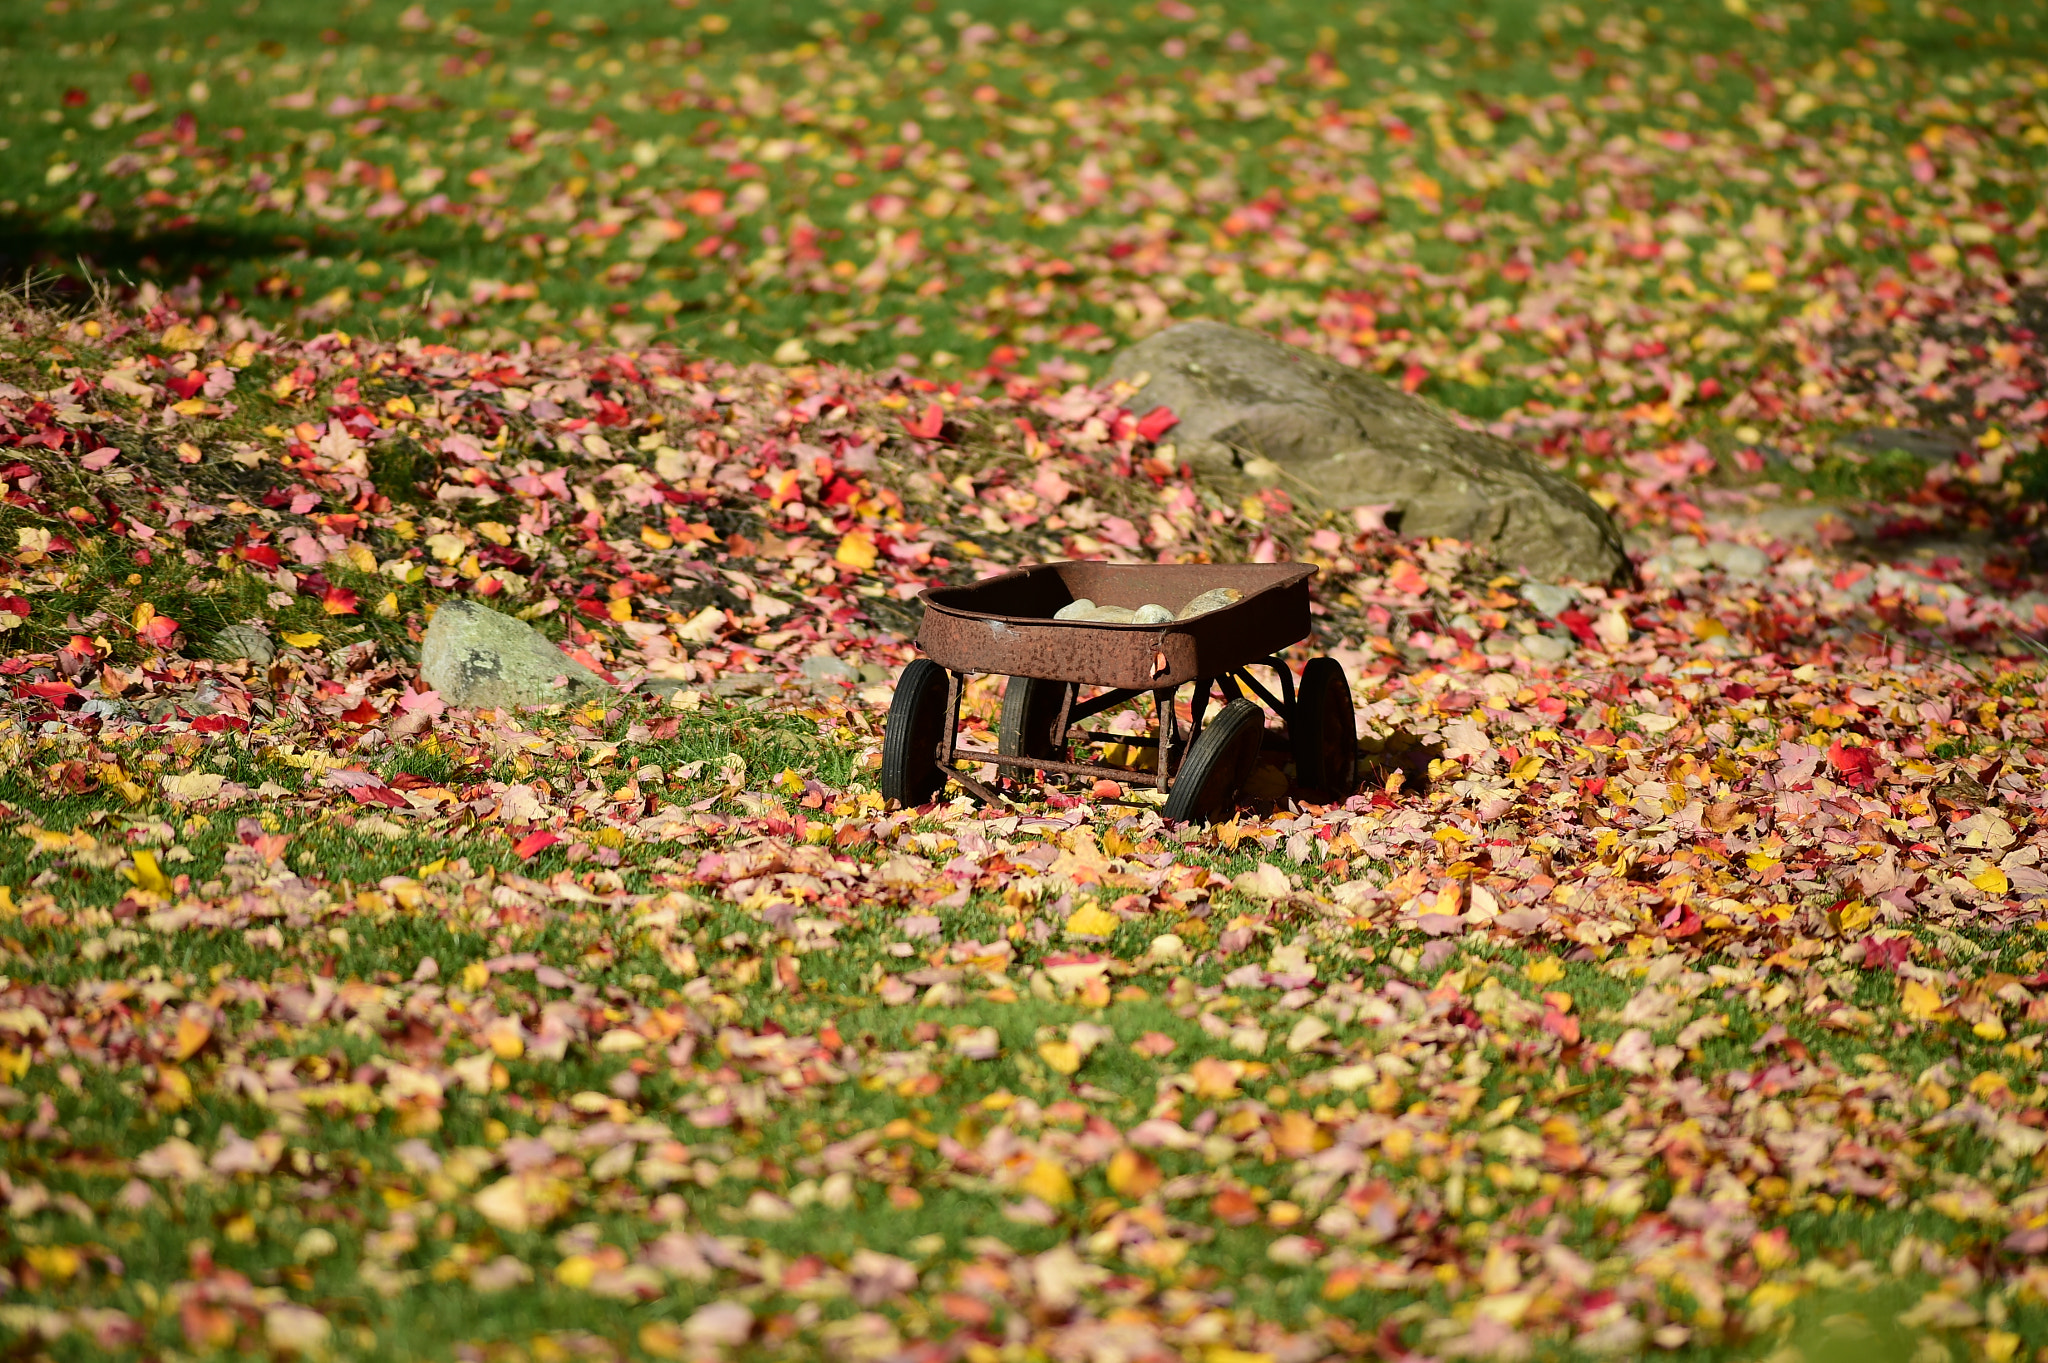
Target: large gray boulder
{"x": 1254, "y": 409}
{"x": 475, "y": 656}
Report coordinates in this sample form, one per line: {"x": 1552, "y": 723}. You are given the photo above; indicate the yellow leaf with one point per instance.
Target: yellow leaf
{"x": 302, "y": 640}
{"x": 173, "y": 1088}
{"x": 1092, "y": 920}
{"x": 621, "y": 609}
{"x": 189, "y": 407}
{"x": 144, "y": 613}
{"x": 1857, "y": 916}
{"x": 1048, "y": 1182}
{"x": 1132, "y": 1174}
{"x": 193, "y": 1033}
{"x": 1213, "y": 1078}
{"x": 663, "y": 1338}
{"x": 475, "y": 976}
{"x": 178, "y": 336}
{"x": 523, "y": 1201}
{"x": 1527, "y": 768}
{"x": 1546, "y": 970}
{"x": 1063, "y": 1056}
{"x": 60, "y": 1262}
{"x": 1919, "y": 1002}
{"x": 1759, "y": 281}
{"x": 1991, "y": 880}
{"x": 577, "y": 1271}
{"x": 654, "y": 539}
{"x": 1772, "y": 1297}
{"x": 149, "y": 876}
{"x": 1988, "y": 1083}
{"x": 194, "y": 785}
{"x": 856, "y": 551}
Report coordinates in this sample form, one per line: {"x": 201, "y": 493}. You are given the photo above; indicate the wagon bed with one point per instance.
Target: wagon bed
{"x": 1005, "y": 625}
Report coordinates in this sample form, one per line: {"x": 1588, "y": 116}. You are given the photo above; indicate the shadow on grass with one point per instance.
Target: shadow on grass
{"x": 58, "y": 266}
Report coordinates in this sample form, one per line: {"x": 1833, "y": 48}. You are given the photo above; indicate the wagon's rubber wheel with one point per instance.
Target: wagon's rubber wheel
{"x": 1324, "y": 731}
{"x": 1218, "y": 764}
{"x": 1031, "y": 707}
{"x": 910, "y": 742}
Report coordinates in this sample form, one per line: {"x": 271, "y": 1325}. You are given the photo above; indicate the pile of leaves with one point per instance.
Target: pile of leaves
{"x": 1670, "y": 983}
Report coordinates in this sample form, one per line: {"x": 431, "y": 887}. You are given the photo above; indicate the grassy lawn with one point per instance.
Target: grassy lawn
{"x": 1683, "y": 995}
{"x": 1037, "y": 185}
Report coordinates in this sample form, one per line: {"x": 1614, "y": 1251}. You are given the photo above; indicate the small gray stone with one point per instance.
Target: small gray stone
{"x": 475, "y": 656}
{"x": 1256, "y": 411}
{"x": 1547, "y": 597}
{"x": 660, "y": 687}
{"x": 1689, "y": 553}
{"x": 1499, "y": 643}
{"x": 244, "y": 642}
{"x": 1929, "y": 445}
{"x": 1546, "y": 648}
{"x": 824, "y": 669}
{"x": 1740, "y": 560}
{"x": 744, "y": 684}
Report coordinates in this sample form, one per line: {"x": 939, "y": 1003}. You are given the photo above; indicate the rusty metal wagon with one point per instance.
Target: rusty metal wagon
{"x": 1004, "y": 625}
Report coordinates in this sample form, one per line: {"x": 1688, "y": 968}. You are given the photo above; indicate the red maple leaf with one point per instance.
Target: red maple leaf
{"x": 1157, "y": 422}
{"x": 1856, "y": 766}
{"x": 338, "y": 601}
{"x": 928, "y": 426}
{"x": 365, "y": 713}
{"x": 533, "y": 844}
{"x": 1563, "y": 1026}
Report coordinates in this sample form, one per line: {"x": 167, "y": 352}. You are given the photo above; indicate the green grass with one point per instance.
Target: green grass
{"x": 623, "y": 110}
{"x": 625, "y": 106}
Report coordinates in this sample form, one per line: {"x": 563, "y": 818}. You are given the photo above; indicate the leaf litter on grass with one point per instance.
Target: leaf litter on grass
{"x": 1671, "y": 986}
{"x": 1615, "y": 232}
{"x": 1657, "y": 983}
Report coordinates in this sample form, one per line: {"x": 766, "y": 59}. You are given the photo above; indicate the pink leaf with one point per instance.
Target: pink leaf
{"x": 428, "y": 703}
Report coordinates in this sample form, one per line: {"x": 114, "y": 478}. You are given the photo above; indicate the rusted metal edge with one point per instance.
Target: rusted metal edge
{"x": 1302, "y": 571}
